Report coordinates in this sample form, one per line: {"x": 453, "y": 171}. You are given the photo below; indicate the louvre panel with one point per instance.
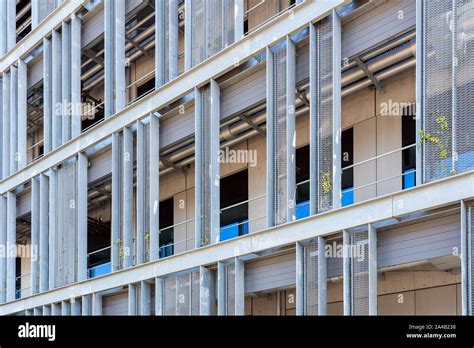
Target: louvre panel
{"x": 66, "y": 223}
{"x": 359, "y": 273}
{"x": 325, "y": 112}
{"x": 280, "y": 145}
{"x": 230, "y": 289}
{"x": 447, "y": 84}
{"x": 310, "y": 278}
{"x": 183, "y": 294}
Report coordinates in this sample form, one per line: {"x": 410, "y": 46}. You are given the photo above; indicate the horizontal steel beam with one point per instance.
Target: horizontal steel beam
{"x": 441, "y": 193}
{"x": 35, "y": 37}
{"x": 254, "y": 43}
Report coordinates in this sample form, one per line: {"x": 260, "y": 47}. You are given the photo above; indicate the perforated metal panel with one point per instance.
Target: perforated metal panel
{"x": 359, "y": 268}
{"x": 447, "y": 86}
{"x": 169, "y": 294}
{"x": 195, "y": 293}
{"x": 181, "y": 294}
{"x": 147, "y": 190}
{"x": 470, "y": 262}
{"x": 310, "y": 278}
{"x": 230, "y": 289}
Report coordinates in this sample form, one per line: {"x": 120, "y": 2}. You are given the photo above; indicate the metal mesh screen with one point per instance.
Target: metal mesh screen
{"x": 228, "y": 23}
{"x": 359, "y": 261}
{"x": 447, "y": 84}
{"x": 166, "y": 41}
{"x": 147, "y": 191}
{"x": 280, "y": 135}
{"x": 66, "y": 223}
{"x": 310, "y": 279}
{"x": 198, "y": 36}
{"x": 181, "y": 294}
{"x": 169, "y": 296}
{"x": 230, "y": 289}
{"x": 325, "y": 113}
{"x": 470, "y": 264}
{"x": 195, "y": 293}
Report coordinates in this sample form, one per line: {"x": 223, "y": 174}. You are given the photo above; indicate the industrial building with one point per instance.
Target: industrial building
{"x": 236, "y": 157}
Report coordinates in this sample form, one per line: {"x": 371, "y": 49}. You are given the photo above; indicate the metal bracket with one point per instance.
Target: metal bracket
{"x": 369, "y": 74}
{"x": 245, "y": 118}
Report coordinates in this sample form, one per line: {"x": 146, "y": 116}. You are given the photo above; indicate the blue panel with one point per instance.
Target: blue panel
{"x": 347, "y": 197}
{"x": 234, "y": 230}
{"x": 99, "y": 270}
{"x": 409, "y": 178}
{"x": 166, "y": 250}
{"x": 302, "y": 210}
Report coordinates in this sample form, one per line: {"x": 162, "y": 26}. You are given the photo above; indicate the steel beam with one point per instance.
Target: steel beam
{"x": 11, "y": 24}
{"x": 372, "y": 269}
{"x": 44, "y": 234}
{"x": 154, "y": 161}
{"x": 290, "y": 129}
{"x": 465, "y": 260}
{"x": 336, "y": 110}
{"x": 299, "y": 279}
{"x": 53, "y": 230}
{"x": 11, "y": 244}
{"x": 346, "y": 273}
{"x": 109, "y": 57}
{"x": 3, "y": 241}
{"x": 22, "y": 113}
{"x": 13, "y": 119}
{"x": 119, "y": 47}
{"x": 140, "y": 193}
{"x": 204, "y": 291}
{"x": 56, "y": 91}
{"x": 159, "y": 293}
{"x": 160, "y": 60}
{"x": 35, "y": 233}
{"x": 46, "y": 310}
{"x": 173, "y": 37}
{"x": 47, "y": 96}
{"x": 239, "y": 19}
{"x": 322, "y": 277}
{"x": 127, "y": 202}
{"x": 419, "y": 90}
{"x": 188, "y": 31}
{"x": 132, "y": 299}
{"x": 75, "y": 76}
{"x": 86, "y": 305}
{"x": 221, "y": 300}
{"x": 198, "y": 173}
{"x": 82, "y": 208}
{"x": 270, "y": 139}
{"x": 6, "y": 125}
{"x": 215, "y": 171}
{"x": 116, "y": 201}
{"x": 65, "y": 308}
{"x": 35, "y": 11}
{"x": 145, "y": 298}
{"x": 66, "y": 81}
{"x": 239, "y": 286}
{"x": 96, "y": 304}
{"x": 3, "y": 27}
{"x": 56, "y": 309}
{"x": 75, "y": 307}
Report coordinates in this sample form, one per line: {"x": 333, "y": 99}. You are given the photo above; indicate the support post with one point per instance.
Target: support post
{"x": 372, "y": 270}
{"x": 65, "y": 308}
{"x": 132, "y": 299}
{"x": 120, "y": 93}
{"x": 188, "y": 30}
{"x": 214, "y": 163}
{"x": 270, "y": 140}
{"x": 46, "y": 310}
{"x": 6, "y": 125}
{"x": 3, "y": 27}
{"x": 173, "y": 37}
{"x": 204, "y": 291}
{"x": 239, "y": 19}
{"x": 145, "y": 298}
{"x": 86, "y": 305}
{"x": 290, "y": 129}
{"x": 299, "y": 279}
{"x": 3, "y": 241}
{"x": 44, "y": 234}
{"x": 11, "y": 24}
{"x": 66, "y": 82}
{"x": 109, "y": 57}
{"x": 47, "y": 96}
{"x": 154, "y": 153}
{"x": 336, "y": 110}
{"x": 159, "y": 292}
{"x": 35, "y": 233}
{"x": 76, "y": 122}
{"x": 127, "y": 188}
{"x": 140, "y": 192}
{"x": 221, "y": 300}
{"x": 419, "y": 90}
{"x": 322, "y": 277}
{"x": 56, "y": 309}
{"x": 11, "y": 244}
{"x": 465, "y": 260}
{"x": 313, "y": 120}
{"x": 198, "y": 175}
{"x": 239, "y": 287}
{"x": 53, "y": 218}
{"x": 96, "y": 304}
{"x": 56, "y": 90}
{"x": 13, "y": 119}
{"x": 346, "y": 271}
{"x": 116, "y": 199}
{"x": 22, "y": 113}
{"x": 82, "y": 207}
{"x": 35, "y": 11}
{"x": 160, "y": 60}
{"x": 75, "y": 307}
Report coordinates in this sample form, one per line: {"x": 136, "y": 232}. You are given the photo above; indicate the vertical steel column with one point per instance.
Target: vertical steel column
{"x": 3, "y": 27}
{"x": 55, "y": 309}
{"x": 290, "y": 129}
{"x": 1, "y": 123}
{"x": 11, "y": 246}
{"x": 239, "y": 19}
{"x": 127, "y": 202}
{"x": 86, "y": 305}
{"x": 160, "y": 40}
{"x": 3, "y": 241}
{"x": 75, "y": 76}
{"x": 75, "y": 307}
{"x": 22, "y": 113}
{"x": 204, "y": 291}
{"x": 11, "y": 24}
{"x": 96, "y": 304}
{"x": 53, "y": 218}
{"x": 82, "y": 164}
{"x": 419, "y": 90}
{"x": 35, "y": 11}
{"x": 13, "y": 119}
{"x": 109, "y": 57}
{"x": 65, "y": 308}
{"x": 214, "y": 162}
{"x": 239, "y": 287}
{"x": 198, "y": 174}
{"x": 46, "y": 310}
{"x": 299, "y": 279}
{"x": 6, "y": 125}
{"x": 66, "y": 82}
{"x": 116, "y": 201}
{"x": 35, "y": 233}
{"x": 221, "y": 300}
{"x": 132, "y": 299}
{"x": 372, "y": 270}
{"x": 154, "y": 153}
{"x": 56, "y": 91}
{"x": 119, "y": 29}
{"x": 145, "y": 298}
{"x": 37, "y": 311}
{"x": 44, "y": 234}
{"x": 454, "y": 73}
{"x": 173, "y": 38}
{"x": 47, "y": 96}
{"x": 140, "y": 192}
{"x": 346, "y": 273}
{"x": 465, "y": 261}
{"x": 188, "y": 30}
{"x": 159, "y": 292}
{"x": 336, "y": 110}
{"x": 322, "y": 277}
{"x": 270, "y": 139}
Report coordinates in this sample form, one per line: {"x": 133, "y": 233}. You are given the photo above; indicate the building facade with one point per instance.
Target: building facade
{"x": 236, "y": 157}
